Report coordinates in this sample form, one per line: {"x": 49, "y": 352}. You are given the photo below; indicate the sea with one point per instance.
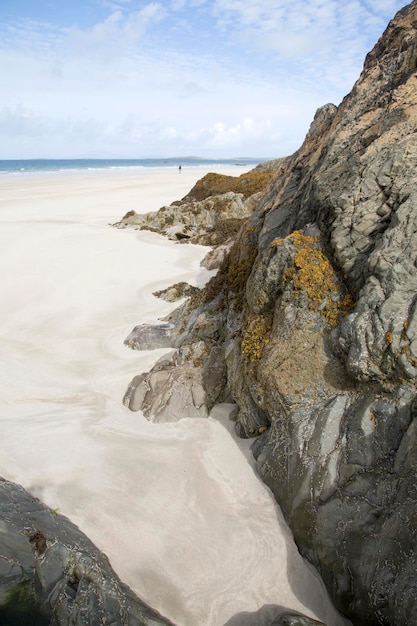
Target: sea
{"x": 10, "y": 166}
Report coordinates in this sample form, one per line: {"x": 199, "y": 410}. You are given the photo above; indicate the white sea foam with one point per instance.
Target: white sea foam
{"x": 177, "y": 508}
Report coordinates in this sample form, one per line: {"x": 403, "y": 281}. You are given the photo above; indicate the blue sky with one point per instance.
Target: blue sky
{"x": 213, "y": 78}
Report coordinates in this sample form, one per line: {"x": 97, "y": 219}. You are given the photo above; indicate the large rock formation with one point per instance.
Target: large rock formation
{"x": 211, "y": 213}
{"x": 311, "y": 327}
{"x": 51, "y": 574}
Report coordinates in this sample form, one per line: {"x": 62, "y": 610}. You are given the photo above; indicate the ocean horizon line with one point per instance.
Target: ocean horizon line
{"x": 141, "y": 158}
{"x": 10, "y": 166}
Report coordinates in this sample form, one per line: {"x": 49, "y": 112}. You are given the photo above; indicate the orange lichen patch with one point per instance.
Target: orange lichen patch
{"x": 389, "y": 337}
{"x": 312, "y": 273}
{"x": 256, "y": 338}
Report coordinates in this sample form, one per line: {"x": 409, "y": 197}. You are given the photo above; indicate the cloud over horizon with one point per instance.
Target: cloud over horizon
{"x": 211, "y": 77}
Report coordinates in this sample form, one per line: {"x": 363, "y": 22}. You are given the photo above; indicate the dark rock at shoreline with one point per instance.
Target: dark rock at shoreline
{"x": 314, "y": 314}
{"x": 51, "y": 574}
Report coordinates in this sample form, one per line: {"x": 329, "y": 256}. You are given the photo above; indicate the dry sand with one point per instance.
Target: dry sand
{"x": 177, "y": 508}
{"x": 107, "y": 193}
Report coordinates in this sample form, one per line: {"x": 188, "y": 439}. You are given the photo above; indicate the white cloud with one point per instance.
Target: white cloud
{"x": 285, "y": 27}
{"x": 387, "y": 6}
{"x": 176, "y": 5}
{"x": 223, "y": 135}
{"x": 135, "y": 134}
{"x": 156, "y": 79}
{"x": 21, "y": 121}
{"x": 117, "y": 35}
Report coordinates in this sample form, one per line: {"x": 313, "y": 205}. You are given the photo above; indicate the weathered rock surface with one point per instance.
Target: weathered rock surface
{"x": 51, "y": 574}
{"x": 247, "y": 184}
{"x": 176, "y": 292}
{"x": 216, "y": 256}
{"x": 313, "y": 318}
{"x": 208, "y": 222}
{"x": 185, "y": 384}
{"x": 272, "y": 615}
{"x": 150, "y": 337}
{"x": 211, "y": 213}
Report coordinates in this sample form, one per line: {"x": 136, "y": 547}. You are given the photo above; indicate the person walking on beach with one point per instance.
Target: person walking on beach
{"x": 179, "y": 169}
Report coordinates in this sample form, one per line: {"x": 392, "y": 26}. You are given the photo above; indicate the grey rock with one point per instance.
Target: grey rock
{"x": 217, "y": 256}
{"x": 150, "y": 337}
{"x": 176, "y": 292}
{"x": 272, "y": 615}
{"x": 206, "y": 221}
{"x": 168, "y": 394}
{"x": 188, "y": 384}
{"x": 341, "y": 403}
{"x": 51, "y": 574}
{"x": 295, "y": 619}
{"x": 271, "y": 165}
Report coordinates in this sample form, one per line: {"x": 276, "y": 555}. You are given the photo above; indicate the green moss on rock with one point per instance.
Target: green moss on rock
{"x": 20, "y": 607}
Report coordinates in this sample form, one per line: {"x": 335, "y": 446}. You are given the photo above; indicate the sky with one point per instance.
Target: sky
{"x": 210, "y": 78}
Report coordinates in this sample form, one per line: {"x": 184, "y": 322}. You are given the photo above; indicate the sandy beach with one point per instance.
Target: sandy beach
{"x": 177, "y": 508}
{"x": 108, "y": 193}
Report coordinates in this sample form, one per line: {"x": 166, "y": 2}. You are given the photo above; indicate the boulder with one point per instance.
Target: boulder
{"x": 186, "y": 384}
{"x": 272, "y": 615}
{"x": 52, "y": 574}
{"x": 150, "y": 336}
{"x": 209, "y": 222}
{"x": 217, "y": 256}
{"x": 176, "y": 292}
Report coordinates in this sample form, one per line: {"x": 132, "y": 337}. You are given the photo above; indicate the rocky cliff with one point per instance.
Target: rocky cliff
{"x": 310, "y": 326}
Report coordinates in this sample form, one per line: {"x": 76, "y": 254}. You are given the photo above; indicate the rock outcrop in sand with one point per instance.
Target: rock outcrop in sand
{"x": 211, "y": 213}
{"x": 310, "y": 326}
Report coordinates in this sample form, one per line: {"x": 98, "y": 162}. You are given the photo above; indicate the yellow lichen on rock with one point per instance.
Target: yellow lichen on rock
{"x": 256, "y": 338}
{"x": 296, "y": 238}
{"x": 312, "y": 273}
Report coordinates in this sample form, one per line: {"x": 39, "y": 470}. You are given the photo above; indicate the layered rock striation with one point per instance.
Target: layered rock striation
{"x": 310, "y": 327}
